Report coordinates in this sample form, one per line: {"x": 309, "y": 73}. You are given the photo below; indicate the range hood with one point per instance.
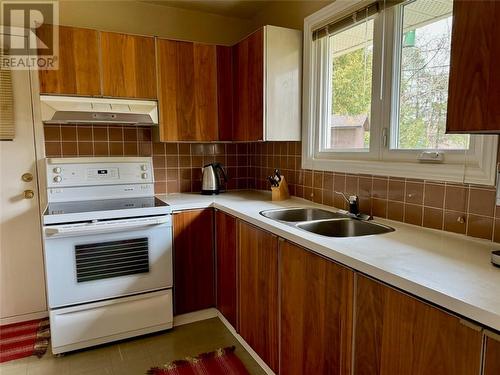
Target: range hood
{"x": 85, "y": 110}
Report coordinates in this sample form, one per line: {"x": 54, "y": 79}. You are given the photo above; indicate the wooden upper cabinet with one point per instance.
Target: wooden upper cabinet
{"x": 78, "y": 72}
{"x": 226, "y": 247}
{"x": 248, "y": 60}
{"x": 398, "y": 334}
{"x": 193, "y": 261}
{"x": 316, "y": 313}
{"x": 128, "y": 66}
{"x": 474, "y": 86}
{"x": 187, "y": 87}
{"x": 267, "y": 70}
{"x": 492, "y": 355}
{"x": 225, "y": 93}
{"x": 258, "y": 292}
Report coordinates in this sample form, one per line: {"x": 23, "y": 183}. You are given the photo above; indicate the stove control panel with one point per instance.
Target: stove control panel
{"x": 74, "y": 172}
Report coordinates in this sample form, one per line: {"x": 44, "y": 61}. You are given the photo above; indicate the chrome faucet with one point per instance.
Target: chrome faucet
{"x": 353, "y": 202}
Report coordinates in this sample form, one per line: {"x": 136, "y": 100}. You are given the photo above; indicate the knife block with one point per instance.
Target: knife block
{"x": 280, "y": 192}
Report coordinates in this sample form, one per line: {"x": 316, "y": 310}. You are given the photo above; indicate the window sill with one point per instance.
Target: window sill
{"x": 474, "y": 173}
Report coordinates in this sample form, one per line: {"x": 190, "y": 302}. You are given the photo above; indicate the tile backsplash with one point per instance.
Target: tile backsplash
{"x": 460, "y": 208}
{"x": 177, "y": 166}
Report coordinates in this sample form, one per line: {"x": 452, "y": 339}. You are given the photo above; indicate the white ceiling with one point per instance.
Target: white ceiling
{"x": 245, "y": 9}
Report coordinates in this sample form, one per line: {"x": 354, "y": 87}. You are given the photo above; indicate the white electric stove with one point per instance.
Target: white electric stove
{"x": 108, "y": 251}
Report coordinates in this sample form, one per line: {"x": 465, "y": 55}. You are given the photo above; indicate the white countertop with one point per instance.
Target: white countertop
{"x": 449, "y": 270}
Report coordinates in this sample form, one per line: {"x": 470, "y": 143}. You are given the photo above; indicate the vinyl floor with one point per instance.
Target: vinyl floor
{"x": 136, "y": 356}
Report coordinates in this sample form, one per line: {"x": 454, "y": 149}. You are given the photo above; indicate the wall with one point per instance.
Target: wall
{"x": 148, "y": 19}
{"x": 432, "y": 204}
{"x": 287, "y": 13}
{"x": 177, "y": 166}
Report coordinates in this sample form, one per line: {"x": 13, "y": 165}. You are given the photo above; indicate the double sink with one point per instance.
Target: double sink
{"x": 326, "y": 223}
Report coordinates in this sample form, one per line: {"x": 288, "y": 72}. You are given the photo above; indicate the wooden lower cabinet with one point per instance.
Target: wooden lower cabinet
{"x": 316, "y": 313}
{"x": 492, "y": 355}
{"x": 193, "y": 261}
{"x": 226, "y": 247}
{"x": 258, "y": 292}
{"x": 398, "y": 334}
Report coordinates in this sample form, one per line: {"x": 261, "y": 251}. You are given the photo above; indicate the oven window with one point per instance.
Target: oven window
{"x": 102, "y": 260}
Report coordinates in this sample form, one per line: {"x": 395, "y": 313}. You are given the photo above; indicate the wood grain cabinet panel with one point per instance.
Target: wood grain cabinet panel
{"x": 492, "y": 355}
{"x": 78, "y": 70}
{"x": 128, "y": 66}
{"x": 225, "y": 93}
{"x": 316, "y": 313}
{"x": 226, "y": 246}
{"x": 474, "y": 86}
{"x": 193, "y": 261}
{"x": 258, "y": 292}
{"x": 187, "y": 85}
{"x": 248, "y": 65}
{"x": 398, "y": 334}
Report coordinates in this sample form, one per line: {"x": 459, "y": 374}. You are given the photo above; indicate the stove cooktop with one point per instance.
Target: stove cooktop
{"x": 104, "y": 209}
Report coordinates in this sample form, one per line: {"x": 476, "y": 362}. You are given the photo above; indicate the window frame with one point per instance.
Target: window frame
{"x": 476, "y": 165}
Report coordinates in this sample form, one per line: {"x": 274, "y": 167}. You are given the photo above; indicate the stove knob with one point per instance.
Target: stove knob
{"x": 57, "y": 179}
{"x": 144, "y": 167}
{"x": 144, "y": 176}
{"x": 57, "y": 170}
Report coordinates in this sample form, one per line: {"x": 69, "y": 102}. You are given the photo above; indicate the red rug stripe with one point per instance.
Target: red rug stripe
{"x": 221, "y": 362}
{"x": 23, "y": 339}
{"x": 12, "y": 340}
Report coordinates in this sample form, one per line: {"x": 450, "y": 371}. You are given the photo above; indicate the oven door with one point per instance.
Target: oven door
{"x": 97, "y": 261}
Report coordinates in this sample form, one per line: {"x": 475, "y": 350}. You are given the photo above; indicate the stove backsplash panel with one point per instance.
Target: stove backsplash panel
{"x": 177, "y": 166}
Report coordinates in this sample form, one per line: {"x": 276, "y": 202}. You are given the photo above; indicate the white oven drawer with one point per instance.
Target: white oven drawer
{"x": 97, "y": 323}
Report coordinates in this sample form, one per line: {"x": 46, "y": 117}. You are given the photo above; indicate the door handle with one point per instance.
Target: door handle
{"x": 29, "y": 194}
{"x": 27, "y": 177}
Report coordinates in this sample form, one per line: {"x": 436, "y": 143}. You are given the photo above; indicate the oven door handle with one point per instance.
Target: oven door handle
{"x": 100, "y": 227}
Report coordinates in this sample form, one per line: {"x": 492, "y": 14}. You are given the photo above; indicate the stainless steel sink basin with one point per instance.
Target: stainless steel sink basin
{"x": 344, "y": 228}
{"x": 295, "y": 215}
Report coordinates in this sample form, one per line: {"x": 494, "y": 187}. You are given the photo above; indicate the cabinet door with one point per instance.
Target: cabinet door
{"x": 258, "y": 292}
{"x": 398, "y": 334}
{"x": 193, "y": 261}
{"x": 316, "y": 313}
{"x": 187, "y": 91}
{"x": 128, "y": 66}
{"x": 248, "y": 60}
{"x": 225, "y": 93}
{"x": 226, "y": 235}
{"x": 474, "y": 87}
{"x": 78, "y": 72}
{"x": 492, "y": 355}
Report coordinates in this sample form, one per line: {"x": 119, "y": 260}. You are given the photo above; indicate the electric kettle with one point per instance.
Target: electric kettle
{"x": 212, "y": 176}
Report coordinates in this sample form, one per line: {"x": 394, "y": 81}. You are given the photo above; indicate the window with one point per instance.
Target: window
{"x": 423, "y": 63}
{"x": 351, "y": 60}
{"x": 376, "y": 91}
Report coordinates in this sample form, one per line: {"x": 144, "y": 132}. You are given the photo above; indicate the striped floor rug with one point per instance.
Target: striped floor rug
{"x": 220, "y": 362}
{"x": 24, "y": 339}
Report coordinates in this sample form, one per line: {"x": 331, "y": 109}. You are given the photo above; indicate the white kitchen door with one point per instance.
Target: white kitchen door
{"x": 22, "y": 284}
